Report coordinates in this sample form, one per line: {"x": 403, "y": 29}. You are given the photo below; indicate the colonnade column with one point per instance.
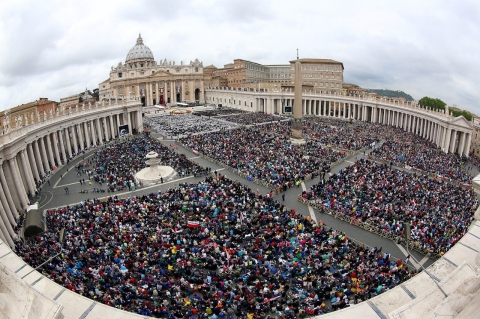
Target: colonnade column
{"x": 44, "y": 155}
{"x": 80, "y": 135}
{"x": 32, "y": 160}
{"x": 55, "y": 147}
{"x": 27, "y": 173}
{"x": 87, "y": 134}
{"x": 99, "y": 131}
{"x": 38, "y": 158}
{"x": 129, "y": 122}
{"x": 7, "y": 194}
{"x": 94, "y": 135}
{"x": 75, "y": 138}
{"x": 22, "y": 196}
{"x": 66, "y": 132}
{"x": 50, "y": 150}
{"x": 60, "y": 135}
{"x": 7, "y": 221}
{"x": 6, "y": 206}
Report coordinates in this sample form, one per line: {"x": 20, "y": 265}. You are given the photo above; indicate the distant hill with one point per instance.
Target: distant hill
{"x": 391, "y": 93}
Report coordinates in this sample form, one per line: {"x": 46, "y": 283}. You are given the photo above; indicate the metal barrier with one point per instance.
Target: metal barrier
{"x": 372, "y": 228}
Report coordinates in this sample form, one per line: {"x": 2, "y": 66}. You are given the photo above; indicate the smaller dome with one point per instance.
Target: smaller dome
{"x": 139, "y": 52}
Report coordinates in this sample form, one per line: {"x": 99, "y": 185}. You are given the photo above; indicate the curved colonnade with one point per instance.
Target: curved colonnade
{"x": 451, "y": 134}
{"x": 30, "y": 293}
{"x": 30, "y": 151}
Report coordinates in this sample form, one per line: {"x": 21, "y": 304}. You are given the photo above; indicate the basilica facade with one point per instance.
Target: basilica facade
{"x": 157, "y": 83}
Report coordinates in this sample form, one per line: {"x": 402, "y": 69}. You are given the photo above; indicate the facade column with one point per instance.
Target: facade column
{"x": 33, "y": 165}
{"x": 466, "y": 150}
{"x": 38, "y": 159}
{"x": 130, "y": 127}
{"x": 112, "y": 129}
{"x": 6, "y": 192}
{"x": 462, "y": 143}
{"x": 18, "y": 183}
{"x": 446, "y": 145}
{"x": 150, "y": 93}
{"x": 27, "y": 173}
{"x": 453, "y": 141}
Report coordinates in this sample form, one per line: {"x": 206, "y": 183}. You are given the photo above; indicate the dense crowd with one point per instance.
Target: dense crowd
{"x": 354, "y": 135}
{"x": 184, "y": 125}
{"x": 253, "y": 118}
{"x": 116, "y": 164}
{"x": 219, "y": 112}
{"x": 381, "y": 195}
{"x": 214, "y": 249}
{"x": 264, "y": 153}
{"x": 425, "y": 158}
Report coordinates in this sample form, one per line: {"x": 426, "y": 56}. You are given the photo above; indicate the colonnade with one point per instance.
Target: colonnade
{"x": 452, "y": 135}
{"x": 31, "y": 158}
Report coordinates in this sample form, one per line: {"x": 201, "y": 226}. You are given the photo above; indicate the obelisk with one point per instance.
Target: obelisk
{"x": 297, "y": 134}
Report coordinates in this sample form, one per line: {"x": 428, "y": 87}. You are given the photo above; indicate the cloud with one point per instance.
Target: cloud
{"x": 54, "y": 49}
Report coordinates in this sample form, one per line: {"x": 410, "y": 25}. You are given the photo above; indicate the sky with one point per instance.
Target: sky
{"x": 53, "y": 49}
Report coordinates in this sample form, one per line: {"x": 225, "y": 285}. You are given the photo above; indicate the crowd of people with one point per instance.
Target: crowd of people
{"x": 218, "y": 112}
{"x": 440, "y": 213}
{"x": 425, "y": 158}
{"x": 264, "y": 153}
{"x": 115, "y": 165}
{"x": 214, "y": 249}
{"x": 176, "y": 126}
{"x": 253, "y": 118}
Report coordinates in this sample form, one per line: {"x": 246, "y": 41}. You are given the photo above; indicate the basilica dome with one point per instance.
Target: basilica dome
{"x": 139, "y": 52}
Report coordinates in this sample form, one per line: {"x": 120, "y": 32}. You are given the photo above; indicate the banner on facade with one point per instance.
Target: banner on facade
{"x": 123, "y": 130}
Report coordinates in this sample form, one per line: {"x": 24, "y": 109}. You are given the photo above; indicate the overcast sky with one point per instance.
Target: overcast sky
{"x": 54, "y": 49}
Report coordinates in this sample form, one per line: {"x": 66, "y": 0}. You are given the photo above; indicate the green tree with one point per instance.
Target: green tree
{"x": 465, "y": 114}
{"x": 436, "y": 103}
{"x": 80, "y": 99}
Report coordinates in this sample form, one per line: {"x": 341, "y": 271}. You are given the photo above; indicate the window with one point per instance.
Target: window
{"x": 132, "y": 74}
{"x": 196, "y": 69}
{"x": 120, "y": 75}
{"x": 141, "y": 65}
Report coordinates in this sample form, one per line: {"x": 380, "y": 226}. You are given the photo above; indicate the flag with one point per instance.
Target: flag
{"x": 193, "y": 224}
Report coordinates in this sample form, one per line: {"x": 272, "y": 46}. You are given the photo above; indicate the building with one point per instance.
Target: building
{"x": 24, "y": 114}
{"x": 155, "y": 82}
{"x": 324, "y": 75}
{"x": 475, "y": 147}
{"x": 72, "y": 100}
{"x": 349, "y": 89}
{"x": 247, "y": 74}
